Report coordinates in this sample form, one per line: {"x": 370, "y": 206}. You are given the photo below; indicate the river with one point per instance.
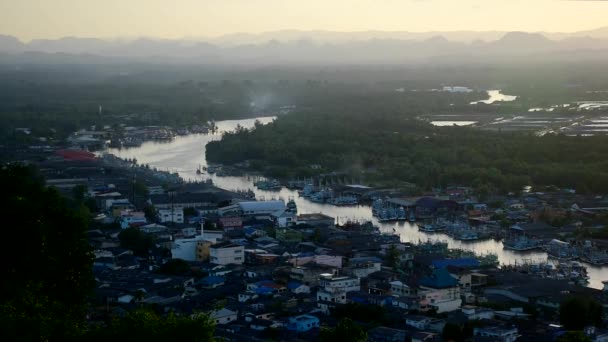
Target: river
{"x": 185, "y": 154}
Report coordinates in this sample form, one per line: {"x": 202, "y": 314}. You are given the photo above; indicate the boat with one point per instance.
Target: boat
{"x": 466, "y": 235}
{"x": 268, "y": 185}
{"x": 522, "y": 244}
{"x": 401, "y": 214}
{"x": 344, "y": 200}
{"x": 412, "y": 217}
{"x": 561, "y": 250}
{"x": 307, "y": 191}
{"x": 431, "y": 228}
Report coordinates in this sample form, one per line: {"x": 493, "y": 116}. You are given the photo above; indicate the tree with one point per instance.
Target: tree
{"x": 346, "y": 330}
{"x": 150, "y": 212}
{"x": 576, "y": 312}
{"x": 392, "y": 257}
{"x": 574, "y": 336}
{"x": 43, "y": 291}
{"x": 146, "y": 325}
{"x": 451, "y": 332}
{"x": 174, "y": 267}
{"x": 135, "y": 240}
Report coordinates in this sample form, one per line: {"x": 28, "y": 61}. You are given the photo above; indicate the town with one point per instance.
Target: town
{"x": 263, "y": 270}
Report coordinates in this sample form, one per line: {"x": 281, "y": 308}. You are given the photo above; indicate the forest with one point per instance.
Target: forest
{"x": 378, "y": 138}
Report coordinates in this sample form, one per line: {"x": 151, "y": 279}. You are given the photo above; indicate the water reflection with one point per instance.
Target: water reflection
{"x": 496, "y": 96}
{"x": 186, "y": 154}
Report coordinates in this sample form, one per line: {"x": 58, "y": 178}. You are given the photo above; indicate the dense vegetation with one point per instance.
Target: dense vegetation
{"x": 378, "y": 137}
{"x": 47, "y": 282}
{"x": 47, "y": 278}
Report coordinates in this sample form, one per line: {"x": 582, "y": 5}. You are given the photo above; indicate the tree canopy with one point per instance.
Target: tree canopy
{"x": 46, "y": 279}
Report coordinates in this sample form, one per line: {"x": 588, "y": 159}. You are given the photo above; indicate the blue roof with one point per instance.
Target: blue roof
{"x": 462, "y": 262}
{"x": 440, "y": 279}
{"x": 293, "y": 285}
{"x": 211, "y": 280}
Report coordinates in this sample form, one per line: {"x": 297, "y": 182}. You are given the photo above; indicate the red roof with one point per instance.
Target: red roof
{"x": 76, "y": 155}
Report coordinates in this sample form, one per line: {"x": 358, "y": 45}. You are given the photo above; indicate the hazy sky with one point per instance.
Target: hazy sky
{"x": 28, "y": 19}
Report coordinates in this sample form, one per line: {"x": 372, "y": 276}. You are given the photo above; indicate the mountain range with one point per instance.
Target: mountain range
{"x": 315, "y": 47}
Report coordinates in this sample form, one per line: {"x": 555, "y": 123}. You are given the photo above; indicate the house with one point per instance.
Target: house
{"x": 384, "y": 334}
{"x": 224, "y": 316}
{"x": 132, "y": 218}
{"x": 497, "y": 333}
{"x": 175, "y": 215}
{"x": 226, "y": 253}
{"x": 423, "y": 336}
{"x": 440, "y": 290}
{"x": 211, "y": 282}
{"x": 303, "y": 323}
{"x": 315, "y": 220}
{"x": 339, "y": 283}
{"x": 231, "y": 222}
{"x": 475, "y": 313}
{"x": 284, "y": 218}
{"x": 400, "y": 289}
{"x": 364, "y": 266}
{"x": 297, "y": 287}
{"x": 417, "y": 321}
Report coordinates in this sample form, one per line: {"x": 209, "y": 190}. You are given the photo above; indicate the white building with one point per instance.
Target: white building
{"x": 336, "y": 283}
{"x": 400, "y": 289}
{"x": 418, "y": 322}
{"x": 130, "y": 218}
{"x": 364, "y": 266}
{"x": 441, "y": 291}
{"x": 502, "y": 334}
{"x": 227, "y": 253}
{"x": 224, "y": 316}
{"x": 261, "y": 207}
{"x": 175, "y": 215}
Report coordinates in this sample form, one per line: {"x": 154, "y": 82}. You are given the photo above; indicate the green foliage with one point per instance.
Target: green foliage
{"x": 574, "y": 336}
{"x": 145, "y": 325}
{"x": 150, "y": 212}
{"x": 362, "y": 313}
{"x": 577, "y": 312}
{"x": 174, "y": 267}
{"x": 452, "y": 333}
{"x": 346, "y": 330}
{"x": 45, "y": 285}
{"x": 393, "y": 146}
{"x": 135, "y": 240}
{"x": 392, "y": 257}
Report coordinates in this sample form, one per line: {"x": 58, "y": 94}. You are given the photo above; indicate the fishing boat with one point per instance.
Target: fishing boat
{"x": 522, "y": 244}
{"x": 412, "y": 217}
{"x": 344, "y": 200}
{"x": 401, "y": 214}
{"x": 466, "y": 235}
{"x": 432, "y": 227}
{"x": 561, "y": 250}
{"x": 268, "y": 185}
{"x": 307, "y": 191}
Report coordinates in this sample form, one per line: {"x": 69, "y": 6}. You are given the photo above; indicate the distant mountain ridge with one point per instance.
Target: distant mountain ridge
{"x": 310, "y": 46}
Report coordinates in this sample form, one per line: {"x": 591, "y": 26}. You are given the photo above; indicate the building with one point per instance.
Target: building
{"x": 132, "y": 218}
{"x": 254, "y": 208}
{"x": 226, "y": 253}
{"x": 384, "y": 334}
{"x": 417, "y": 321}
{"x": 224, "y": 316}
{"x": 303, "y": 323}
{"x": 440, "y": 291}
{"x": 339, "y": 283}
{"x": 497, "y": 333}
{"x": 316, "y": 220}
{"x": 364, "y": 266}
{"x": 175, "y": 215}
{"x": 400, "y": 289}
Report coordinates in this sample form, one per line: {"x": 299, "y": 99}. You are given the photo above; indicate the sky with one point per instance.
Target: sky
{"x": 35, "y": 19}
